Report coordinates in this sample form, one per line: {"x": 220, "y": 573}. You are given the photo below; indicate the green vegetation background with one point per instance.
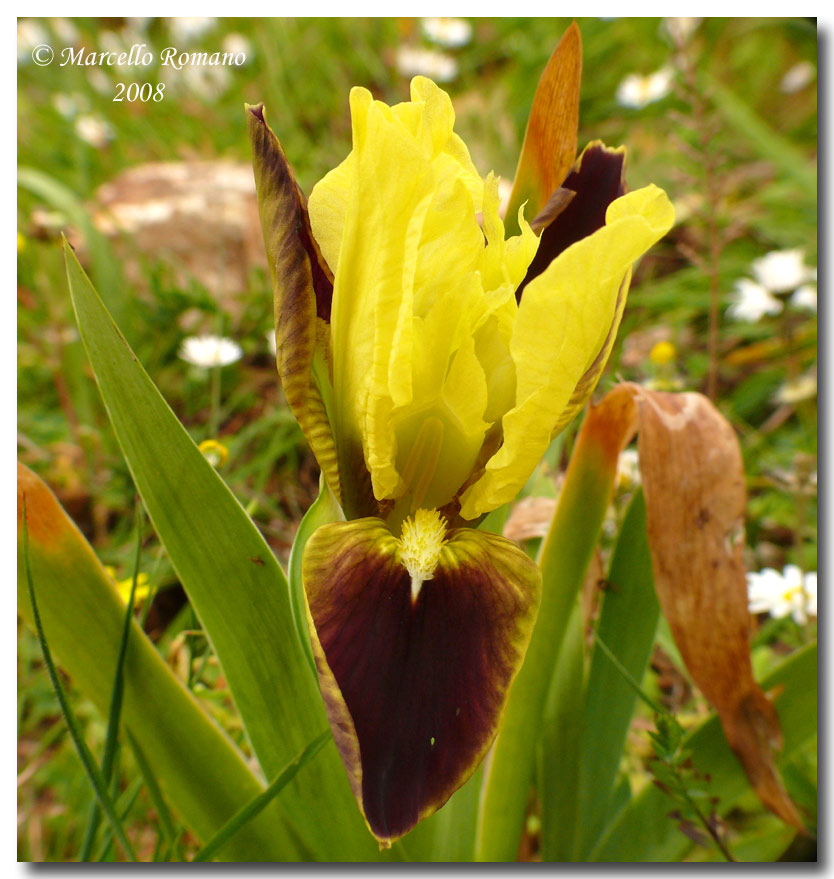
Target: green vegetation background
{"x": 734, "y": 151}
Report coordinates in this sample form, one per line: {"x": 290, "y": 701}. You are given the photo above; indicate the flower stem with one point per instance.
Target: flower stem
{"x": 214, "y": 411}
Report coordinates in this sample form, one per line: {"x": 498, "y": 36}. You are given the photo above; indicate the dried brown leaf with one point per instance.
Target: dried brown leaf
{"x": 530, "y": 518}
{"x": 693, "y": 482}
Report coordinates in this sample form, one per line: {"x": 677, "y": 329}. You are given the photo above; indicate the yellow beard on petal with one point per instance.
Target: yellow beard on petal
{"x": 422, "y": 539}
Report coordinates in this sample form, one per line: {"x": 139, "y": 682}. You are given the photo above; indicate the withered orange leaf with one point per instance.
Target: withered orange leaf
{"x": 303, "y": 287}
{"x": 551, "y": 137}
{"x": 47, "y": 523}
{"x": 693, "y": 482}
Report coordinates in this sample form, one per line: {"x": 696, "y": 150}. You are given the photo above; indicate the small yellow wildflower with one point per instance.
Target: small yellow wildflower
{"x": 663, "y": 353}
{"x": 143, "y": 587}
{"x": 214, "y": 452}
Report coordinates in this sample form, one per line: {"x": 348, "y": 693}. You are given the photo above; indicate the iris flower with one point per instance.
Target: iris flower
{"x": 430, "y": 360}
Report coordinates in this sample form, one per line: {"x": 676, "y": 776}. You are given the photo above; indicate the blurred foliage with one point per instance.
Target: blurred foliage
{"x": 736, "y": 153}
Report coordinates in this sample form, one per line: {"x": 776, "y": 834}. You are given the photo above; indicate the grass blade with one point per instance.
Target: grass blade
{"x": 257, "y": 805}
{"x": 105, "y": 267}
{"x": 114, "y": 715}
{"x": 166, "y": 820}
{"x": 769, "y": 143}
{"x": 87, "y": 759}
{"x": 125, "y": 804}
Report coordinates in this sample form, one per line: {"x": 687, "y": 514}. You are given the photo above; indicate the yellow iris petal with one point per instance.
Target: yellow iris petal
{"x": 564, "y": 316}
{"x": 409, "y": 293}
{"x": 327, "y": 206}
{"x": 429, "y": 117}
{"x": 504, "y": 262}
{"x": 430, "y": 350}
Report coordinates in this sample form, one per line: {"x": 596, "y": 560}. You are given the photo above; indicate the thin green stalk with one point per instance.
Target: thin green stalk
{"x": 87, "y": 759}
{"x": 214, "y": 412}
{"x": 256, "y": 805}
{"x": 166, "y": 820}
{"x": 709, "y": 828}
{"x": 658, "y": 709}
{"x": 627, "y": 676}
{"x": 202, "y": 667}
{"x": 111, "y": 738}
{"x": 174, "y": 849}
{"x": 130, "y": 797}
{"x": 153, "y": 588}
{"x": 188, "y": 645}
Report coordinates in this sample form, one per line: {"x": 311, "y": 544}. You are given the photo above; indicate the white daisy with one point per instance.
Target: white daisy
{"x": 680, "y": 28}
{"x": 188, "y": 29}
{"x": 805, "y": 297}
{"x": 628, "y": 469}
{"x": 412, "y": 61}
{"x": 94, "y": 130}
{"x": 751, "y": 301}
{"x": 66, "y": 31}
{"x": 29, "y": 35}
{"x": 802, "y": 388}
{"x": 208, "y": 351}
{"x": 777, "y": 594}
{"x": 206, "y": 82}
{"x": 798, "y": 77}
{"x": 69, "y": 106}
{"x": 637, "y": 90}
{"x": 447, "y": 32}
{"x": 100, "y": 81}
{"x": 781, "y": 271}
{"x": 237, "y": 44}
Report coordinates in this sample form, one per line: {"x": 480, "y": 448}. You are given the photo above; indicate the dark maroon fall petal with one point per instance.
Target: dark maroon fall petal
{"x": 597, "y": 179}
{"x": 415, "y": 690}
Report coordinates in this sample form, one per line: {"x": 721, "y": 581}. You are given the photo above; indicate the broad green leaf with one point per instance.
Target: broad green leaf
{"x": 643, "y": 831}
{"x": 203, "y": 775}
{"x": 564, "y": 558}
{"x": 560, "y": 780}
{"x": 627, "y": 623}
{"x": 234, "y": 583}
{"x": 583, "y": 740}
{"x": 456, "y": 823}
{"x": 324, "y": 510}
